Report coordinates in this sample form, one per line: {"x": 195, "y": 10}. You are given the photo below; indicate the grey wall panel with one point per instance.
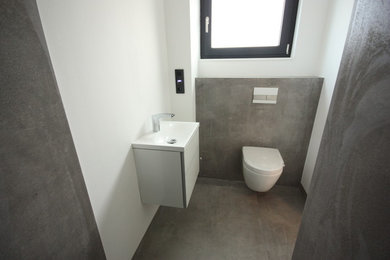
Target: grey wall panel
{"x": 45, "y": 212}
{"x": 348, "y": 208}
{"x": 229, "y": 120}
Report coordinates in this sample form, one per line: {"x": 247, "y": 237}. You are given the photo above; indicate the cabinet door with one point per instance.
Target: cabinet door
{"x": 191, "y": 165}
{"x": 160, "y": 177}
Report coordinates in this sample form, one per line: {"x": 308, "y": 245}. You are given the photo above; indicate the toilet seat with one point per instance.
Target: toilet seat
{"x": 262, "y": 173}
{"x": 261, "y": 160}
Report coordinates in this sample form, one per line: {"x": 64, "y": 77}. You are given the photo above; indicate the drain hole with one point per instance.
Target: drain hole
{"x": 171, "y": 141}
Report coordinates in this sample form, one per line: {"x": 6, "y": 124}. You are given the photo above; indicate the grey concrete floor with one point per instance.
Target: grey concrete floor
{"x": 226, "y": 220}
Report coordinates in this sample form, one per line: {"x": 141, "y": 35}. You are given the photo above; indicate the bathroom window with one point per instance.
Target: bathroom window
{"x": 247, "y": 28}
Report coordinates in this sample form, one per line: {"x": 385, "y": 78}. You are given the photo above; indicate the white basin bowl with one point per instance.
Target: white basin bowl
{"x": 181, "y": 132}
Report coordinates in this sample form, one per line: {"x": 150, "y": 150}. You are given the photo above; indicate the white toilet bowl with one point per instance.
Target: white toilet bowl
{"x": 262, "y": 167}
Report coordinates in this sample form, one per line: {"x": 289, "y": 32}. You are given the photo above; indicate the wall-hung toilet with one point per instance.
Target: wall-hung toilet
{"x": 262, "y": 167}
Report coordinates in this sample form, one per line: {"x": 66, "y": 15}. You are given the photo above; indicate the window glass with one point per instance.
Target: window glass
{"x": 246, "y": 23}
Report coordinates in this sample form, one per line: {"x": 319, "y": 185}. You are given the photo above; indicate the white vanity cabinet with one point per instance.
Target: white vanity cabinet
{"x": 167, "y": 171}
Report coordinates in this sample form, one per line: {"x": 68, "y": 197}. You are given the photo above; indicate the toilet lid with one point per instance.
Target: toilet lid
{"x": 261, "y": 158}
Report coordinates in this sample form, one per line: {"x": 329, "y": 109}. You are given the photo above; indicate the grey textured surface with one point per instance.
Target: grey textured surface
{"x": 225, "y": 221}
{"x": 229, "y": 120}
{"x": 45, "y": 212}
{"x": 348, "y": 208}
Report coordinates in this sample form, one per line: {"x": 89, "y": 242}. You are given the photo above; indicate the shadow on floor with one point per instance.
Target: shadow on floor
{"x": 225, "y": 220}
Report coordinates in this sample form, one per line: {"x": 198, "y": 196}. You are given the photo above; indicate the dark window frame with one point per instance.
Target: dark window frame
{"x": 281, "y": 51}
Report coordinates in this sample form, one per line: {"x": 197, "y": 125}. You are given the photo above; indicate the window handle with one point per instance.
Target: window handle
{"x": 207, "y": 22}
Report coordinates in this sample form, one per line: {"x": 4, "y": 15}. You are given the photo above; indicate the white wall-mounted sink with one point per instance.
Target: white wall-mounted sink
{"x": 167, "y": 170}
{"x": 181, "y": 132}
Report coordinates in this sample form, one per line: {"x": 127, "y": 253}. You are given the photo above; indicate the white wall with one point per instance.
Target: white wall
{"x": 306, "y": 51}
{"x": 339, "y": 16}
{"x": 109, "y": 59}
{"x": 195, "y": 43}
{"x": 181, "y": 44}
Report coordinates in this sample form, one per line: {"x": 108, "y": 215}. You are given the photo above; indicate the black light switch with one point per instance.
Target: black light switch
{"x": 179, "y": 78}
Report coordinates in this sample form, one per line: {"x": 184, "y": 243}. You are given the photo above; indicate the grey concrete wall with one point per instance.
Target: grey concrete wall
{"x": 229, "y": 120}
{"x": 348, "y": 208}
{"x": 45, "y": 212}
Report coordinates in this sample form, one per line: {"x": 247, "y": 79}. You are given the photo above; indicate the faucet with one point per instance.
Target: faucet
{"x": 156, "y": 120}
